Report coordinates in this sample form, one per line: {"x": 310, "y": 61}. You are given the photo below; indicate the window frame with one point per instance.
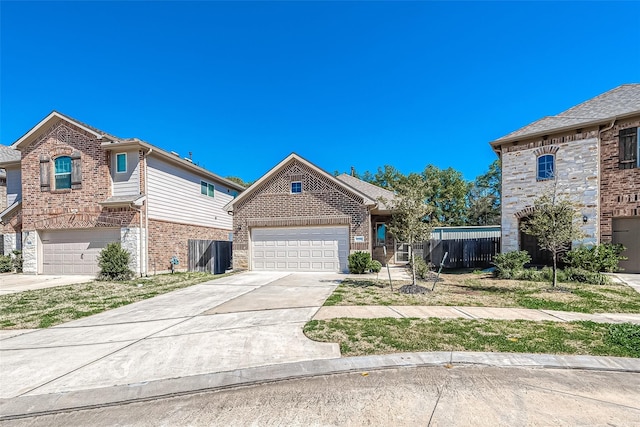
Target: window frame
{"x": 298, "y": 186}
{"x": 209, "y": 188}
{"x": 125, "y": 162}
{"x": 60, "y": 174}
{"x": 623, "y": 141}
{"x": 553, "y": 167}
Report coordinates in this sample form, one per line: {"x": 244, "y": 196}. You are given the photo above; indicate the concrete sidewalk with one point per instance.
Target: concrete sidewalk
{"x": 423, "y": 312}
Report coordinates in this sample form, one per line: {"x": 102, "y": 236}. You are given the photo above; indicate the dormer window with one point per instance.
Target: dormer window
{"x": 296, "y": 187}
{"x": 546, "y": 167}
{"x": 62, "y": 172}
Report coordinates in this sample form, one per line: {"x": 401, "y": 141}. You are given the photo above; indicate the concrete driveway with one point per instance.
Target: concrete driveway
{"x": 11, "y": 283}
{"x": 240, "y": 321}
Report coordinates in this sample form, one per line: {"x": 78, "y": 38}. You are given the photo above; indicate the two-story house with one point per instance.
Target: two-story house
{"x": 590, "y": 153}
{"x": 72, "y": 188}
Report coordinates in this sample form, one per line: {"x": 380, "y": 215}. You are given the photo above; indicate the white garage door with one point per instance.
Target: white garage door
{"x": 626, "y": 231}
{"x": 300, "y": 248}
{"x": 75, "y": 251}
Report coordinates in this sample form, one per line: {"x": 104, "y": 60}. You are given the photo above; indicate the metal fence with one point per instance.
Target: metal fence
{"x": 463, "y": 253}
{"x": 212, "y": 256}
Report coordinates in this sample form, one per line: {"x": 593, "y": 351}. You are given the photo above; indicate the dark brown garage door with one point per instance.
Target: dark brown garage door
{"x": 627, "y": 232}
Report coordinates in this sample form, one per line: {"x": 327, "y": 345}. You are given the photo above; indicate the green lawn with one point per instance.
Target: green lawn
{"x": 43, "y": 308}
{"x": 389, "y": 335}
{"x": 484, "y": 290}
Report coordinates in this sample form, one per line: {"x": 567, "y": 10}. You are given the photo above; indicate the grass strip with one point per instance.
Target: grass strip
{"x": 359, "y": 337}
{"x": 42, "y": 308}
{"x": 487, "y": 291}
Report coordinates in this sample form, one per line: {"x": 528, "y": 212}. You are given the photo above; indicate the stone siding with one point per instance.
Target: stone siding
{"x": 576, "y": 166}
{"x": 11, "y": 242}
{"x": 168, "y": 239}
{"x": 322, "y": 202}
{"x": 620, "y": 188}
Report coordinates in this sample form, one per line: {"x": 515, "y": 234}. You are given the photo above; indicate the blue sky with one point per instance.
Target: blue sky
{"x": 363, "y": 84}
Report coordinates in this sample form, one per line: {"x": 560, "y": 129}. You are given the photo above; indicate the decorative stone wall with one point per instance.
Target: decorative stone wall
{"x": 576, "y": 168}
{"x": 12, "y": 242}
{"x": 168, "y": 239}
{"x": 30, "y": 245}
{"x": 620, "y": 188}
{"x": 322, "y": 202}
{"x": 132, "y": 240}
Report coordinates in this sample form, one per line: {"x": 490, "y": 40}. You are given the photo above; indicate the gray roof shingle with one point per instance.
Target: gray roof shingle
{"x": 372, "y": 191}
{"x": 620, "y": 101}
{"x": 9, "y": 155}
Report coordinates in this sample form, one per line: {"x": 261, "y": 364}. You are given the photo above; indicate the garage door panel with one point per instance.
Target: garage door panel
{"x": 75, "y": 251}
{"x": 306, "y": 248}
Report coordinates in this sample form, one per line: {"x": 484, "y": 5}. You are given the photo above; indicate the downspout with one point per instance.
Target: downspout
{"x": 146, "y": 215}
{"x": 598, "y": 208}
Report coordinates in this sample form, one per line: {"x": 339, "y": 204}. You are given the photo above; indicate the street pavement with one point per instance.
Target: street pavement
{"x": 416, "y": 396}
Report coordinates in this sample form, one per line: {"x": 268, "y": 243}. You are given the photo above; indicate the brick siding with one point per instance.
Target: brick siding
{"x": 69, "y": 208}
{"x": 322, "y": 202}
{"x": 620, "y": 188}
{"x": 168, "y": 239}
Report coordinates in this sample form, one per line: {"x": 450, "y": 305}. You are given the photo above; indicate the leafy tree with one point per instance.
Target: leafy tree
{"x": 409, "y": 222}
{"x": 485, "y": 196}
{"x": 386, "y": 177}
{"x": 553, "y": 224}
{"x": 446, "y": 190}
{"x": 240, "y": 181}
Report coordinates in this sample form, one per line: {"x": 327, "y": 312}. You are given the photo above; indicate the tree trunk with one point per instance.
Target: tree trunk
{"x": 413, "y": 265}
{"x": 555, "y": 271}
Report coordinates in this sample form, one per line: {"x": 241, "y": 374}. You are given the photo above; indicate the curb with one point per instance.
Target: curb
{"x": 37, "y": 405}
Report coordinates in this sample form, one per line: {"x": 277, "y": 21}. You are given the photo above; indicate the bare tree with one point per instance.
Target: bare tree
{"x": 409, "y": 222}
{"x": 554, "y": 224}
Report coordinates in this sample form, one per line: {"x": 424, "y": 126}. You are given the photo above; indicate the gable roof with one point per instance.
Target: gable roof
{"x": 617, "y": 103}
{"x": 373, "y": 191}
{"x": 291, "y": 157}
{"x": 9, "y": 156}
{"x": 112, "y": 142}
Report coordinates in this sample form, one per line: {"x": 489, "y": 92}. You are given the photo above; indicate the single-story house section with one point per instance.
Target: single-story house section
{"x": 297, "y": 217}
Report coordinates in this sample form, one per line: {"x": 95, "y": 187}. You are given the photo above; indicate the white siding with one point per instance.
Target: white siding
{"x": 174, "y": 195}
{"x": 126, "y": 183}
{"x": 14, "y": 185}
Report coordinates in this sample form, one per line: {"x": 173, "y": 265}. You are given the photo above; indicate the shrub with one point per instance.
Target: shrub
{"x": 17, "y": 261}
{"x": 375, "y": 266}
{"x": 508, "y": 263}
{"x": 604, "y": 257}
{"x": 422, "y": 268}
{"x": 6, "y": 264}
{"x": 114, "y": 263}
{"x": 583, "y": 276}
{"x": 359, "y": 262}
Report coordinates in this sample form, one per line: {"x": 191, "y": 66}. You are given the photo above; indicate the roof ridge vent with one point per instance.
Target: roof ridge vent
{"x": 175, "y": 154}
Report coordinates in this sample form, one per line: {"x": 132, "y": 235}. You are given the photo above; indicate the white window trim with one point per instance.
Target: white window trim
{"x": 125, "y": 162}
{"x": 209, "y": 184}
{"x": 291, "y": 187}
{"x": 553, "y": 156}
{"x": 55, "y": 175}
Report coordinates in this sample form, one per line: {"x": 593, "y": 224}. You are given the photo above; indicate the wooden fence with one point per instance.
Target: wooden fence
{"x": 464, "y": 253}
{"x": 212, "y": 256}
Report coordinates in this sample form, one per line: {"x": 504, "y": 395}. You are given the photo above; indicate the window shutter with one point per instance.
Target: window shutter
{"x": 76, "y": 168}
{"x": 44, "y": 174}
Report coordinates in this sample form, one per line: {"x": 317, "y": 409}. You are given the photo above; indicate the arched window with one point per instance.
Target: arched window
{"x": 63, "y": 172}
{"x": 546, "y": 167}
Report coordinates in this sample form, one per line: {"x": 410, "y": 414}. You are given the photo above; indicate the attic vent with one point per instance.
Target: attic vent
{"x": 175, "y": 154}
